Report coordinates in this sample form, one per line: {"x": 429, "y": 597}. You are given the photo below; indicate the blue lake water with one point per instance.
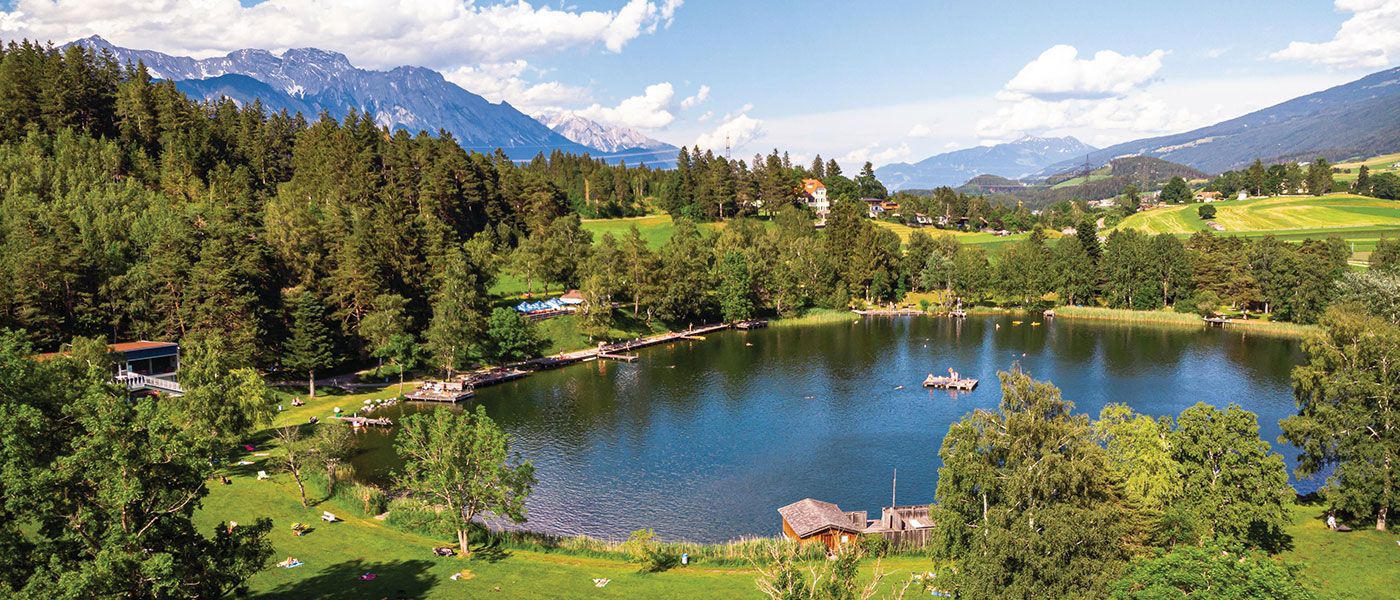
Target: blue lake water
{"x": 704, "y": 440}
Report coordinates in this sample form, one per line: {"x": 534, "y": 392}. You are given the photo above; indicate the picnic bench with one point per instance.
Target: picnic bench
{"x": 328, "y": 517}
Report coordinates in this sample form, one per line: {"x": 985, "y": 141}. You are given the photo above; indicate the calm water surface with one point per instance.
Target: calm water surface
{"x": 704, "y": 440}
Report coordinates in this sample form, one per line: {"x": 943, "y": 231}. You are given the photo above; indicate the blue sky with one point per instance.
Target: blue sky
{"x": 884, "y": 81}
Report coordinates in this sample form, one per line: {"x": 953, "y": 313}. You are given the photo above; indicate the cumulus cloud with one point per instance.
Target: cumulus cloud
{"x": 506, "y": 81}
{"x": 1138, "y": 113}
{"x": 1370, "y": 38}
{"x": 699, "y": 98}
{"x": 920, "y": 131}
{"x": 734, "y": 132}
{"x": 442, "y": 34}
{"x": 1059, "y": 73}
{"x": 651, "y": 110}
{"x": 852, "y": 161}
{"x": 1059, "y": 90}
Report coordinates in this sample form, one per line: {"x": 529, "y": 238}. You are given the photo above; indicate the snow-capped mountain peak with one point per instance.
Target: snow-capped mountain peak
{"x": 593, "y": 134}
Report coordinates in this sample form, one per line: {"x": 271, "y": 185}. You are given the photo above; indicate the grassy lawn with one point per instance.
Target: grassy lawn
{"x": 1364, "y": 563}
{"x": 655, "y": 229}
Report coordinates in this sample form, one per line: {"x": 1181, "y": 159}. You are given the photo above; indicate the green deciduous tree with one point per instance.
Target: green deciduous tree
{"x": 510, "y": 337}
{"x": 461, "y": 461}
{"x": 1176, "y": 191}
{"x": 1234, "y": 485}
{"x": 1348, "y": 397}
{"x": 1026, "y": 499}
{"x": 105, "y": 488}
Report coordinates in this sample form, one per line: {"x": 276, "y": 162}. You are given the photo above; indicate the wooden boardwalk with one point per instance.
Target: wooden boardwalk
{"x": 616, "y": 351}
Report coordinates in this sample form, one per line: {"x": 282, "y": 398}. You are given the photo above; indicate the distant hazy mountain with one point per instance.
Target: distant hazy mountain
{"x": 1012, "y": 160}
{"x": 1361, "y": 118}
{"x": 618, "y": 142}
{"x": 311, "y": 80}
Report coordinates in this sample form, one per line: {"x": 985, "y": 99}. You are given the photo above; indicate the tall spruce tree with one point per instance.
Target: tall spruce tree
{"x": 310, "y": 347}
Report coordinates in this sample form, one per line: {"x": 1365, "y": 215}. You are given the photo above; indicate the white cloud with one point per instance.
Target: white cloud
{"x": 1058, "y": 91}
{"x": 651, "y": 110}
{"x": 699, "y": 98}
{"x": 1370, "y": 38}
{"x": 855, "y": 159}
{"x": 1140, "y": 113}
{"x": 709, "y": 114}
{"x": 504, "y": 81}
{"x": 733, "y": 132}
{"x": 442, "y": 34}
{"x": 920, "y": 131}
{"x": 1059, "y": 73}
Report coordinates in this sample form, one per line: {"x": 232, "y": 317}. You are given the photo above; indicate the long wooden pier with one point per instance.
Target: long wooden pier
{"x": 616, "y": 351}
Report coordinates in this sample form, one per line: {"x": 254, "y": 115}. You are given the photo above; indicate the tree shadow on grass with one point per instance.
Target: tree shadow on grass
{"x": 393, "y": 579}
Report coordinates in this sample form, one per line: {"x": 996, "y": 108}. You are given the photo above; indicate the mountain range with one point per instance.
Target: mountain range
{"x": 1012, "y": 160}
{"x": 1361, "y": 118}
{"x": 621, "y": 143}
{"x": 312, "y": 81}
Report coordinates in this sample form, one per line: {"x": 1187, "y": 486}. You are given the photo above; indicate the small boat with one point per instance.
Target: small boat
{"x": 1035, "y": 323}
{"x": 1015, "y": 322}
{"x": 899, "y": 387}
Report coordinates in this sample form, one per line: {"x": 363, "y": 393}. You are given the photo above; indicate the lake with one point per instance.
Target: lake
{"x": 704, "y": 440}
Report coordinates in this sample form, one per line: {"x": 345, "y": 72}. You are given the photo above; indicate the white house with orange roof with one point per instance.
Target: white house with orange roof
{"x": 815, "y": 194}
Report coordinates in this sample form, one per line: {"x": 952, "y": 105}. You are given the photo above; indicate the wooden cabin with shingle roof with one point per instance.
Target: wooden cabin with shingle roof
{"x": 809, "y": 520}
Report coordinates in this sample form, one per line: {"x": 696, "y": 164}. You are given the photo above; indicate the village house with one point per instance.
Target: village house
{"x": 143, "y": 366}
{"x": 814, "y": 193}
{"x": 874, "y": 207}
{"x": 1208, "y": 197}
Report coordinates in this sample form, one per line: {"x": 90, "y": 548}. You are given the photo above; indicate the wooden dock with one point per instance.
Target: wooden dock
{"x": 442, "y": 391}
{"x": 1212, "y": 321}
{"x": 362, "y": 422}
{"x": 621, "y": 357}
{"x": 751, "y": 324}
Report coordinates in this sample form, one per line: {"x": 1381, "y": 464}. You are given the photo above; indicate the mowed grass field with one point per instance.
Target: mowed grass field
{"x": 1276, "y": 214}
{"x": 1386, "y": 163}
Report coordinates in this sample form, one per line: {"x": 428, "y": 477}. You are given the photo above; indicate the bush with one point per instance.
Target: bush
{"x": 1206, "y": 212}
{"x": 875, "y": 545}
{"x": 372, "y": 499}
{"x": 419, "y": 517}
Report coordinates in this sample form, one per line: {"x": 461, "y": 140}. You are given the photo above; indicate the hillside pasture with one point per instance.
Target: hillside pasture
{"x": 1386, "y": 163}
{"x": 1277, "y": 214}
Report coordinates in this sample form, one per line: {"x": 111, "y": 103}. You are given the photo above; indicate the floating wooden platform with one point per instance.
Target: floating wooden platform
{"x": 494, "y": 376}
{"x": 365, "y": 421}
{"x": 949, "y": 383}
{"x": 751, "y": 324}
{"x": 1216, "y": 320}
{"x": 442, "y": 391}
{"x": 621, "y": 357}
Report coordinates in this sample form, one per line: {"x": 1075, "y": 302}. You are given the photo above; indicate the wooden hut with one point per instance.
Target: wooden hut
{"x": 809, "y": 520}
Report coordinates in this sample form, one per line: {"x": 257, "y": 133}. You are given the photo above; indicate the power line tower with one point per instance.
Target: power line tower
{"x": 726, "y": 147}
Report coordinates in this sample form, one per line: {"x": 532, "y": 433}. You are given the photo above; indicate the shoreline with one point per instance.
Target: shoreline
{"x": 1182, "y": 320}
